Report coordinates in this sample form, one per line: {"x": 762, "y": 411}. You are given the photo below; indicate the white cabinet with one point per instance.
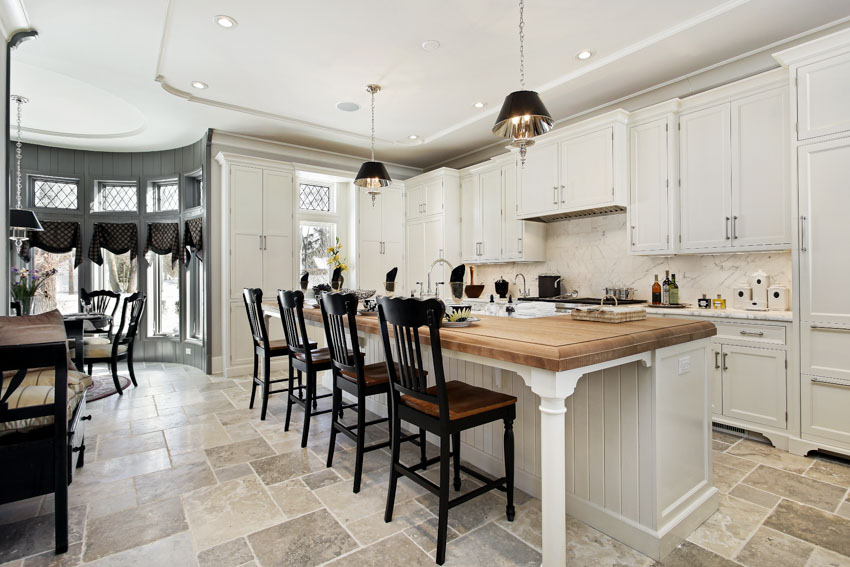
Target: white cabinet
{"x": 735, "y": 192}
{"x": 650, "y": 222}
{"x": 578, "y": 169}
{"x": 824, "y": 409}
{"x": 753, "y": 384}
{"x": 380, "y": 239}
{"x": 425, "y": 198}
{"x": 425, "y": 242}
{"x": 823, "y": 107}
{"x": 716, "y": 380}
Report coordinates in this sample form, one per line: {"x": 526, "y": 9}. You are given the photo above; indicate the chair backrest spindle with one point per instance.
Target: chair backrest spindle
{"x": 339, "y": 314}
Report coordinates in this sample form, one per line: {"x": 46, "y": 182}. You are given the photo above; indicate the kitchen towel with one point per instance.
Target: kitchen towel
{"x": 391, "y": 275}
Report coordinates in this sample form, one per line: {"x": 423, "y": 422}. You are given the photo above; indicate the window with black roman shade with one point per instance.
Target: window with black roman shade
{"x": 164, "y": 238}
{"x": 193, "y": 241}
{"x": 57, "y": 237}
{"x": 117, "y": 237}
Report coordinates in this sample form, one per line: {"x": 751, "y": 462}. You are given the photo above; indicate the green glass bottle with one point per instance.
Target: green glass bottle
{"x": 674, "y": 291}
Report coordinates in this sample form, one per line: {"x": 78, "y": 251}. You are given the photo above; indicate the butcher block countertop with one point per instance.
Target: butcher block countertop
{"x": 552, "y": 343}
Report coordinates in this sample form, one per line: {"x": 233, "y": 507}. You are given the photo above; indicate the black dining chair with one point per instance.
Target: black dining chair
{"x": 304, "y": 358}
{"x": 351, "y": 375}
{"x": 263, "y": 348}
{"x": 444, "y": 409}
{"x": 99, "y": 301}
{"x": 118, "y": 346}
{"x": 16, "y": 308}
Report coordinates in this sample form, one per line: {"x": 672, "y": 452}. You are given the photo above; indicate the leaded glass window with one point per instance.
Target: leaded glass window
{"x": 115, "y": 197}
{"x": 314, "y": 197}
{"x": 55, "y": 193}
{"x": 162, "y": 196}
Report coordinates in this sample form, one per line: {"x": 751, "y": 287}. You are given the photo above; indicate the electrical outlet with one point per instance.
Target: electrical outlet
{"x": 188, "y": 350}
{"x": 684, "y": 364}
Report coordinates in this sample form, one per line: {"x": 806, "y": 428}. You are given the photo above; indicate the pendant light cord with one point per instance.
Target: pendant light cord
{"x": 372, "y": 90}
{"x": 521, "y": 44}
{"x": 20, "y": 103}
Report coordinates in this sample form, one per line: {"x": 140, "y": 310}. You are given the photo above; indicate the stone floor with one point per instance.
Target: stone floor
{"x": 180, "y": 472}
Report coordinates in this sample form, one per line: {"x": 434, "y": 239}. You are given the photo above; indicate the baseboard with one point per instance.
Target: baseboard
{"x": 247, "y": 369}
{"x": 217, "y": 365}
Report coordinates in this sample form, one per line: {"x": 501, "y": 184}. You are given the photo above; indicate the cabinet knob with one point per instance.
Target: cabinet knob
{"x": 85, "y": 418}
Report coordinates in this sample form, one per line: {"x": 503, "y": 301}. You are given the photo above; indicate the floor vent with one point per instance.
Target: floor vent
{"x": 731, "y": 428}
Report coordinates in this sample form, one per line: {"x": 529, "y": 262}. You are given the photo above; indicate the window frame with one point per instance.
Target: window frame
{"x": 333, "y": 212}
{"x": 94, "y": 196}
{"x": 151, "y": 183}
{"x": 29, "y": 179}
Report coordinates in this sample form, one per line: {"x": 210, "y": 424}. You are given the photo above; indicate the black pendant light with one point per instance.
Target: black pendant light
{"x": 21, "y": 220}
{"x": 373, "y": 174}
{"x": 523, "y": 115}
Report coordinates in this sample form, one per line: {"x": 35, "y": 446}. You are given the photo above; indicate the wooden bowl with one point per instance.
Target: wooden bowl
{"x": 474, "y": 291}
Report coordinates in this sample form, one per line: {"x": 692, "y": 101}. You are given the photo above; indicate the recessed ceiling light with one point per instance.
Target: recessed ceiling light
{"x": 199, "y": 85}
{"x": 225, "y": 21}
{"x": 582, "y": 55}
{"x": 347, "y": 106}
{"x": 479, "y": 104}
{"x": 430, "y": 45}
{"x": 413, "y": 137}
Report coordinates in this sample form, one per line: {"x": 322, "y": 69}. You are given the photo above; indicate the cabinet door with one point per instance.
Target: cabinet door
{"x": 824, "y": 232}
{"x": 371, "y": 217}
{"x": 415, "y": 257}
{"x": 240, "y": 343}
{"x": 393, "y": 257}
{"x": 822, "y": 104}
{"x": 277, "y": 264}
{"x": 754, "y": 386}
{"x": 587, "y": 170}
{"x": 716, "y": 374}
{"x": 434, "y": 197}
{"x": 246, "y": 222}
{"x": 649, "y": 220}
{"x": 825, "y": 350}
{"x": 370, "y": 266}
{"x": 512, "y": 229}
{"x": 277, "y": 231}
{"x": 490, "y": 205}
{"x": 761, "y": 181}
{"x": 470, "y": 221}
{"x": 434, "y": 248}
{"x": 706, "y": 179}
{"x": 414, "y": 201}
{"x": 539, "y": 192}
{"x": 392, "y": 216}
{"x": 824, "y": 408}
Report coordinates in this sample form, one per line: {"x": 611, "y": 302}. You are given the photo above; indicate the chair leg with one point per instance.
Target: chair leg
{"x": 90, "y": 367}
{"x": 61, "y": 516}
{"x": 254, "y": 382}
{"x": 510, "y": 512}
{"x": 308, "y": 406}
{"x": 289, "y": 396}
{"x": 114, "y": 364}
{"x": 266, "y": 384}
{"x": 456, "y": 459}
{"x": 443, "y": 517}
{"x": 130, "y": 366}
{"x": 361, "y": 439}
{"x": 334, "y": 420}
{"x": 395, "y": 443}
{"x": 422, "y": 444}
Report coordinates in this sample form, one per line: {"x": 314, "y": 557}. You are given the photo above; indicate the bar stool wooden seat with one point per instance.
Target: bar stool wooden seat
{"x": 351, "y": 375}
{"x": 304, "y": 358}
{"x": 444, "y": 409}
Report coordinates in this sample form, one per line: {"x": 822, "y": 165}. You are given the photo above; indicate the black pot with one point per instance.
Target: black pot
{"x": 502, "y": 286}
{"x": 547, "y": 286}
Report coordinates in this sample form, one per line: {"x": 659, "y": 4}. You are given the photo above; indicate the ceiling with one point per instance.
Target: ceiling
{"x": 117, "y": 75}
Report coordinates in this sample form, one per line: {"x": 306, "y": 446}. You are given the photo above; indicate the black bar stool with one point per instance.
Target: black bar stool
{"x": 445, "y": 409}
{"x": 339, "y": 314}
{"x": 304, "y": 358}
{"x": 263, "y": 347}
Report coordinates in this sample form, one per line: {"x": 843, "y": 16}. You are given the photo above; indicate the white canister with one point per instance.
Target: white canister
{"x": 741, "y": 296}
{"x": 757, "y": 305}
{"x": 778, "y": 298}
{"x": 760, "y": 281}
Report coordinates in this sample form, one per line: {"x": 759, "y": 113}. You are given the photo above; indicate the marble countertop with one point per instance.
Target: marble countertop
{"x": 784, "y": 316}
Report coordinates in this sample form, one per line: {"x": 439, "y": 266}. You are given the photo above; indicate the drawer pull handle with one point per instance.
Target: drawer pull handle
{"x": 753, "y": 333}
{"x": 717, "y": 360}
{"x": 830, "y": 382}
{"x": 725, "y": 354}
{"x": 85, "y": 418}
{"x": 828, "y": 328}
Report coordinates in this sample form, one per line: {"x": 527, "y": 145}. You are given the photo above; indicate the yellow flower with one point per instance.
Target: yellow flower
{"x": 330, "y": 249}
{"x": 343, "y": 267}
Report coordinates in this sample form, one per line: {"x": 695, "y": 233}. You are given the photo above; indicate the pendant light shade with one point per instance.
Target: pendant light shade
{"x": 523, "y": 116}
{"x": 373, "y": 174}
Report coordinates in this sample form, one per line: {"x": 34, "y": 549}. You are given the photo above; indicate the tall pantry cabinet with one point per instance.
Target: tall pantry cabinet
{"x": 257, "y": 248}
{"x": 820, "y": 73}
{"x": 381, "y": 239}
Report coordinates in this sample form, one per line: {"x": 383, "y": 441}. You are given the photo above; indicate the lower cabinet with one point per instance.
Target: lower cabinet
{"x": 753, "y": 384}
{"x": 826, "y": 408}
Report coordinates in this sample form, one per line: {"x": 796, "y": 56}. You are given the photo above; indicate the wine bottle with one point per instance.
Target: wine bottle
{"x": 665, "y": 289}
{"x": 656, "y": 291}
{"x": 674, "y": 291}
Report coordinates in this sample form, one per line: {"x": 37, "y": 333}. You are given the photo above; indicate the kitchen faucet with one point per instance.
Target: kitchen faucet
{"x": 524, "y": 292}
{"x": 434, "y": 263}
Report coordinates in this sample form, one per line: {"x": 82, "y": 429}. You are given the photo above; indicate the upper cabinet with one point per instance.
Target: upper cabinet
{"x": 424, "y": 197}
{"x": 490, "y": 231}
{"x": 735, "y": 173}
{"x": 822, "y": 101}
{"x": 576, "y": 171}
{"x": 381, "y": 239}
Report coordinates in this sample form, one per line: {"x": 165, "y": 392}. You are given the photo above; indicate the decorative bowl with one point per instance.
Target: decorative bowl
{"x": 474, "y": 291}
{"x": 360, "y": 293}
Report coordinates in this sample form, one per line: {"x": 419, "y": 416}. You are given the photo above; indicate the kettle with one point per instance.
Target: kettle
{"x": 502, "y": 286}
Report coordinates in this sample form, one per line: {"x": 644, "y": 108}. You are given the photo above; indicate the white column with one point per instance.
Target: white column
{"x": 553, "y": 473}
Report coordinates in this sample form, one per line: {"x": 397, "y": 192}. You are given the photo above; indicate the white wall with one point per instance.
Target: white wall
{"x": 4, "y": 202}
{"x": 593, "y": 253}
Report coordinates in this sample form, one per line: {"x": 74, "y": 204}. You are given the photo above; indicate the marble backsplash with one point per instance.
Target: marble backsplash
{"x": 593, "y": 253}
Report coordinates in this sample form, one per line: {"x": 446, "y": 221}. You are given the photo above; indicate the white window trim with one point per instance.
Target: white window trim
{"x": 334, "y": 196}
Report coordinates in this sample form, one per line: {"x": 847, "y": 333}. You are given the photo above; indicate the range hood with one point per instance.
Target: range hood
{"x": 578, "y": 214}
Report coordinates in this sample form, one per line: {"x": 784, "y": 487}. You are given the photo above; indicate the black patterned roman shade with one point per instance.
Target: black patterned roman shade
{"x": 193, "y": 241}
{"x": 164, "y": 238}
{"x": 57, "y": 237}
{"x": 117, "y": 237}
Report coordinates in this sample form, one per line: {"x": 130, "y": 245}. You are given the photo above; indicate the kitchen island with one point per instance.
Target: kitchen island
{"x": 620, "y": 438}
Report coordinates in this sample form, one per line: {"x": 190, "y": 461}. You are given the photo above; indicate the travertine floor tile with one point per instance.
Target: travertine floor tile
{"x": 796, "y": 487}
{"x": 236, "y": 471}
{"x": 810, "y": 524}
{"x": 239, "y": 452}
{"x": 294, "y": 498}
{"x": 726, "y": 531}
{"x": 111, "y": 448}
{"x": 725, "y": 478}
{"x": 769, "y": 548}
{"x": 173, "y": 482}
{"x": 690, "y": 555}
{"x": 286, "y": 466}
{"x": 372, "y": 528}
{"x": 158, "y": 423}
{"x": 587, "y": 546}
{"x": 308, "y": 540}
{"x": 732, "y": 461}
{"x": 830, "y": 471}
{"x": 754, "y": 495}
{"x": 35, "y": 535}
{"x": 397, "y": 549}
{"x": 133, "y": 528}
{"x": 425, "y": 534}
{"x": 767, "y": 455}
{"x": 195, "y": 436}
{"x": 492, "y": 546}
{"x": 230, "y": 554}
{"x": 174, "y": 550}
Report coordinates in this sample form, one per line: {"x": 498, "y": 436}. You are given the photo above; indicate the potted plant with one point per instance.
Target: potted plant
{"x": 337, "y": 264}
{"x": 27, "y": 285}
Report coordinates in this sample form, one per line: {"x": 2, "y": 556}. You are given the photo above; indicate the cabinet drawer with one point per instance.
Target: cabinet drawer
{"x": 824, "y": 412}
{"x": 764, "y": 334}
{"x": 825, "y": 350}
